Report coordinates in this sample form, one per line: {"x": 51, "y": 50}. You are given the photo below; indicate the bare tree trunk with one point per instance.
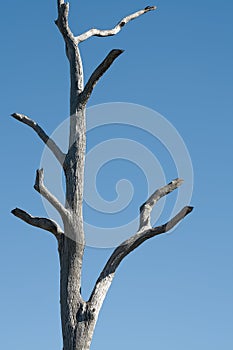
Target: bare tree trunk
{"x": 75, "y": 315}
{"x": 79, "y": 317}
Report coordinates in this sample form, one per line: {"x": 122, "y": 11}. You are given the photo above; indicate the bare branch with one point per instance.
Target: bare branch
{"x": 40, "y": 187}
{"x": 116, "y": 29}
{"x": 141, "y": 236}
{"x": 106, "y": 276}
{"x": 44, "y": 137}
{"x": 62, "y": 20}
{"x": 97, "y": 74}
{"x": 145, "y": 232}
{"x": 146, "y": 208}
{"x": 43, "y": 223}
{"x": 72, "y": 53}
{"x": 171, "y": 223}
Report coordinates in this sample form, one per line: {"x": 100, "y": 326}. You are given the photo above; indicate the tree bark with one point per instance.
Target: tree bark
{"x": 79, "y": 317}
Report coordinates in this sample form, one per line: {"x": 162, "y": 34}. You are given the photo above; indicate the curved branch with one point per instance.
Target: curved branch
{"x": 116, "y": 29}
{"x": 44, "y": 137}
{"x": 97, "y": 74}
{"x": 41, "y": 188}
{"x": 43, "y": 223}
{"x": 146, "y": 208}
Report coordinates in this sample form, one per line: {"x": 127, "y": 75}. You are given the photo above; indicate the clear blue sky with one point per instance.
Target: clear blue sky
{"x": 175, "y": 291}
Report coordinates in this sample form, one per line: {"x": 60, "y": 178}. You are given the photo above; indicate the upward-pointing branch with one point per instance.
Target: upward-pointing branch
{"x": 146, "y": 208}
{"x": 44, "y": 137}
{"x": 42, "y": 189}
{"x": 116, "y": 29}
{"x": 105, "y": 279}
{"x": 144, "y": 233}
{"x": 72, "y": 53}
{"x": 97, "y": 74}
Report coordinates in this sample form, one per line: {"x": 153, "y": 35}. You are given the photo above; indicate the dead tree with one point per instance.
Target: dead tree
{"x": 78, "y": 317}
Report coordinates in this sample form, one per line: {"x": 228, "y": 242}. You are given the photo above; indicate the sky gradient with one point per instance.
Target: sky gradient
{"x": 176, "y": 290}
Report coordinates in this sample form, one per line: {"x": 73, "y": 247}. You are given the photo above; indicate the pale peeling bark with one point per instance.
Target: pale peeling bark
{"x": 79, "y": 317}
{"x": 116, "y": 29}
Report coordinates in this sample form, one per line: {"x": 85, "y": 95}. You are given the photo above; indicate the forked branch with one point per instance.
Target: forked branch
{"x": 104, "y": 281}
{"x": 141, "y": 236}
{"x": 43, "y": 136}
{"x": 116, "y": 29}
{"x": 145, "y": 232}
{"x": 41, "y": 188}
{"x": 97, "y": 74}
{"x": 146, "y": 208}
{"x": 43, "y": 223}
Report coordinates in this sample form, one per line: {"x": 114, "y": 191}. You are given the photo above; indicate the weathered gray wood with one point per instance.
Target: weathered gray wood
{"x": 73, "y": 55}
{"x": 41, "y": 188}
{"x": 71, "y": 246}
{"x": 79, "y": 317}
{"x": 43, "y": 223}
{"x": 116, "y": 29}
{"x": 105, "y": 279}
{"x": 97, "y": 74}
{"x": 44, "y": 137}
{"x": 146, "y": 208}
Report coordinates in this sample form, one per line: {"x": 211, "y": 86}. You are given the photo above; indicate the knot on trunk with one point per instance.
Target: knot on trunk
{"x": 84, "y": 314}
